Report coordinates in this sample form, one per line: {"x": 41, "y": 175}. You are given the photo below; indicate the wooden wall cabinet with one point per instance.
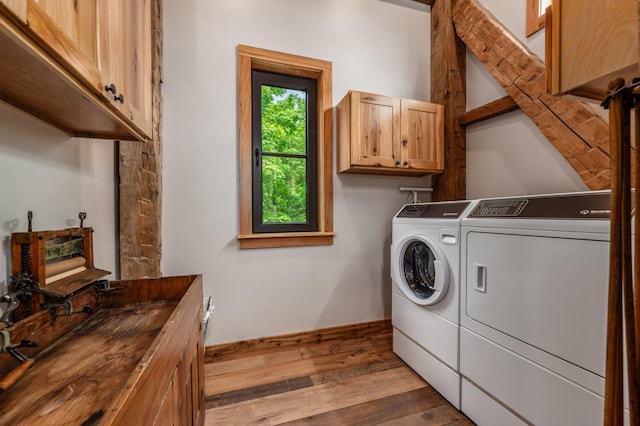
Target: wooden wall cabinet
{"x": 588, "y": 44}
{"x": 84, "y": 67}
{"x": 384, "y": 135}
{"x": 125, "y": 53}
{"x": 68, "y": 30}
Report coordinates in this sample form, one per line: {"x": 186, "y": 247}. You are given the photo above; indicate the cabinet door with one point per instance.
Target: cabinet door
{"x": 67, "y": 29}
{"x": 422, "y": 125}
{"x": 589, "y": 44}
{"x": 193, "y": 379}
{"x": 167, "y": 414}
{"x": 17, "y": 7}
{"x": 375, "y": 130}
{"x": 126, "y": 58}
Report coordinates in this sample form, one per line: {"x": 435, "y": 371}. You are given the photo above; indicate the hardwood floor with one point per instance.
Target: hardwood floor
{"x": 340, "y": 376}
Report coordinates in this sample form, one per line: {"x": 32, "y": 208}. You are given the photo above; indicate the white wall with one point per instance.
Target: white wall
{"x": 508, "y": 155}
{"x": 376, "y": 46}
{"x": 56, "y": 177}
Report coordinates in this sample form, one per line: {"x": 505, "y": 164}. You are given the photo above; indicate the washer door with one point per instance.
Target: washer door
{"x": 420, "y": 270}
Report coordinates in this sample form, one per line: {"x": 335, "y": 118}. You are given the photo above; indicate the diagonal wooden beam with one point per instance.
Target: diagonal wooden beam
{"x": 574, "y": 128}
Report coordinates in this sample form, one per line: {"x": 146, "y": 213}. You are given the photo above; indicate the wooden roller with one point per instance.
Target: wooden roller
{"x": 55, "y": 268}
{"x": 64, "y": 274}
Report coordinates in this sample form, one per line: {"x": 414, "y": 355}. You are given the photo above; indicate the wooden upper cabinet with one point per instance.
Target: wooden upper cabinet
{"x": 67, "y": 29}
{"x": 74, "y": 51}
{"x": 384, "y": 135}
{"x": 125, "y": 53}
{"x": 589, "y": 44}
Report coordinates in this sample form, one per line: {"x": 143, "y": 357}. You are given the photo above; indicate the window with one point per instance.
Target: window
{"x": 535, "y": 15}
{"x": 285, "y": 150}
{"x": 284, "y": 195}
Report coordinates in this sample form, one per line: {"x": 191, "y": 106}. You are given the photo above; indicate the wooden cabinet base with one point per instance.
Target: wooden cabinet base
{"x": 139, "y": 359}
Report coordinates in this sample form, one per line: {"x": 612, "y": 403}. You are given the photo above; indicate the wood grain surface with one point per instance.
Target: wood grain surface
{"x": 338, "y": 376}
{"x": 74, "y": 370}
{"x": 139, "y": 351}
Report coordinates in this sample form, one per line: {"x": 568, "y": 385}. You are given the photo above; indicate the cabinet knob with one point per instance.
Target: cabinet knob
{"x": 110, "y": 88}
{"x": 119, "y": 98}
{"x": 406, "y": 163}
{"x": 397, "y": 163}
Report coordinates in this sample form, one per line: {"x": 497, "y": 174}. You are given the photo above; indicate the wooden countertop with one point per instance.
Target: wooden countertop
{"x": 85, "y": 370}
{"x": 136, "y": 359}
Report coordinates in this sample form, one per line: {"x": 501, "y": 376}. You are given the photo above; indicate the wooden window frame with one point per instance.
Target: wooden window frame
{"x": 535, "y": 20}
{"x": 253, "y": 58}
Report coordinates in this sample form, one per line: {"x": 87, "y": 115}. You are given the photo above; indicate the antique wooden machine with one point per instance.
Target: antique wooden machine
{"x": 49, "y": 267}
{"x": 77, "y": 349}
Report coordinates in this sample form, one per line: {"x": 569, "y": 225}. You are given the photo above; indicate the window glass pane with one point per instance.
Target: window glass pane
{"x": 284, "y": 120}
{"x": 542, "y": 6}
{"x": 284, "y": 190}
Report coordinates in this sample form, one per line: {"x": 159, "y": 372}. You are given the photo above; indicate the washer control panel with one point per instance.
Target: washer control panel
{"x": 445, "y": 210}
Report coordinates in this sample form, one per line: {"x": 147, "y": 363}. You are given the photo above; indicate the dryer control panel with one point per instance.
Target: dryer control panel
{"x": 561, "y": 206}
{"x": 500, "y": 208}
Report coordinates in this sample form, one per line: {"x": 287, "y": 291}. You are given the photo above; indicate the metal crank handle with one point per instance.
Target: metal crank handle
{"x": 15, "y": 375}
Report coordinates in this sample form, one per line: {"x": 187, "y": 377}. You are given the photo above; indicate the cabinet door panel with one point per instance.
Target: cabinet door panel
{"x": 166, "y": 414}
{"x": 126, "y": 58}
{"x": 422, "y": 135}
{"x": 17, "y": 7}
{"x": 375, "y": 135}
{"x": 68, "y": 30}
{"x": 137, "y": 61}
{"x": 77, "y": 20}
{"x": 580, "y": 60}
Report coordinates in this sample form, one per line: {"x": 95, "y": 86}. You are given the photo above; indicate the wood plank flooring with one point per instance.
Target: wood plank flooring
{"x": 341, "y": 376}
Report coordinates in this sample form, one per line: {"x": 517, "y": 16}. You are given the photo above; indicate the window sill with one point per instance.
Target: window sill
{"x": 289, "y": 239}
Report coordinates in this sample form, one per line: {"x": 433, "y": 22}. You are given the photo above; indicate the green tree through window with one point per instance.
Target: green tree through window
{"x": 284, "y": 142}
{"x": 284, "y": 129}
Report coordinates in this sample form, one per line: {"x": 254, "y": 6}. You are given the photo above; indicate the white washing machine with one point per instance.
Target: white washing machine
{"x": 534, "y": 309}
{"x": 425, "y": 269}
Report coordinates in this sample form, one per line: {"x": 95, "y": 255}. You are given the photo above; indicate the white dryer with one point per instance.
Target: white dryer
{"x": 534, "y": 309}
{"x": 425, "y": 269}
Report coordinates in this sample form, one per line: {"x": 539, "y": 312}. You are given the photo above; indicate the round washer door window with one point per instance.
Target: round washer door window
{"x": 423, "y": 271}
